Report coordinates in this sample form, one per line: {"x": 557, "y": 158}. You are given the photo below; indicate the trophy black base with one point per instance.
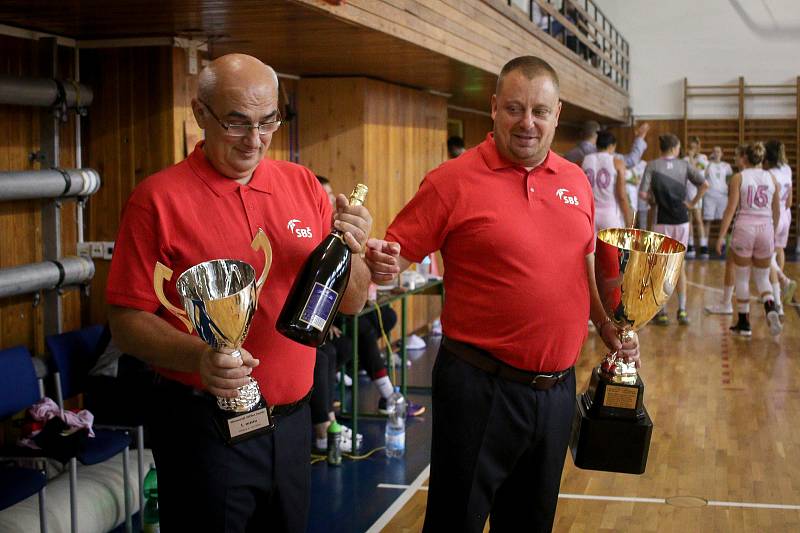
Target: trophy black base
{"x": 237, "y": 427}
{"x": 605, "y": 399}
{"x": 610, "y": 444}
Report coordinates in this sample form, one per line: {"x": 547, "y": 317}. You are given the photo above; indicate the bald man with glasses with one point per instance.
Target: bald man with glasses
{"x": 210, "y": 206}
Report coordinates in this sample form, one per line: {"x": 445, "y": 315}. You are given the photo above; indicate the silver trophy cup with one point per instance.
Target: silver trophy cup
{"x": 219, "y": 301}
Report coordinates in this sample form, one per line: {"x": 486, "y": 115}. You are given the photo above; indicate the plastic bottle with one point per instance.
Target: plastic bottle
{"x": 396, "y": 424}
{"x": 335, "y": 444}
{"x": 150, "y": 520}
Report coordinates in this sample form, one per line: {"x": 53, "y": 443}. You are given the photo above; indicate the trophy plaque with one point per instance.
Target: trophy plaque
{"x": 220, "y": 299}
{"x": 636, "y": 272}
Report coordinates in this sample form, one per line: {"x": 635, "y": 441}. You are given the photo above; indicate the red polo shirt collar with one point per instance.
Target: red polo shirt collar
{"x": 222, "y": 185}
{"x": 495, "y": 161}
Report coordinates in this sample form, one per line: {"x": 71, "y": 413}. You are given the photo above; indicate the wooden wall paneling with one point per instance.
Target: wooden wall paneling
{"x": 21, "y": 222}
{"x": 477, "y": 34}
{"x": 330, "y": 120}
{"x": 129, "y": 135}
{"x": 279, "y": 147}
{"x": 476, "y": 125}
{"x": 388, "y": 137}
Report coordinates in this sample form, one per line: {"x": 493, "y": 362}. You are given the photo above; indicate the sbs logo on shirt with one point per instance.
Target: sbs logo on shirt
{"x": 568, "y": 199}
{"x": 300, "y": 233}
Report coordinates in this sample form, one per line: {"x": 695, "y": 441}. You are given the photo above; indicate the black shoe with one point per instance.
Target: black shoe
{"x": 742, "y": 327}
{"x": 704, "y": 252}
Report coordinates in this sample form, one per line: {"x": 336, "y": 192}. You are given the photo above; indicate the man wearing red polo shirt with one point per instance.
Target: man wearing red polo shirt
{"x": 514, "y": 223}
{"x": 210, "y": 206}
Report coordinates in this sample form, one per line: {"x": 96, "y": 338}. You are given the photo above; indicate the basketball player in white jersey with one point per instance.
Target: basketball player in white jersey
{"x": 715, "y": 200}
{"x": 700, "y": 162}
{"x": 606, "y": 175}
{"x": 775, "y": 162}
{"x": 755, "y": 192}
{"x": 724, "y": 306}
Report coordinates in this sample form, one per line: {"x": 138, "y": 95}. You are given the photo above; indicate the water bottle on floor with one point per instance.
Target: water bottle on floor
{"x": 150, "y": 520}
{"x": 396, "y": 424}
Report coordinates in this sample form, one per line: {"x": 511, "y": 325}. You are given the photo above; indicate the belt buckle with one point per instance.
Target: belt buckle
{"x": 543, "y": 376}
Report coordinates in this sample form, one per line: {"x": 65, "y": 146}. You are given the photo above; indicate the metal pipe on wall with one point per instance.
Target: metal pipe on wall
{"x": 30, "y": 278}
{"x": 53, "y": 183}
{"x": 43, "y": 92}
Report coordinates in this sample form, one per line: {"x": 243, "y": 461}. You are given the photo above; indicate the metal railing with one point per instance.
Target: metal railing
{"x": 581, "y": 27}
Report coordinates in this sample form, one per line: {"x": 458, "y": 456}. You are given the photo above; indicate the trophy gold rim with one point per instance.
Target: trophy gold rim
{"x": 631, "y": 281}
{"x": 677, "y": 243}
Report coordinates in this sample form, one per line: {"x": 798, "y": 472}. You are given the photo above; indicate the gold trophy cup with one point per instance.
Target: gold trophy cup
{"x": 636, "y": 272}
{"x": 220, "y": 299}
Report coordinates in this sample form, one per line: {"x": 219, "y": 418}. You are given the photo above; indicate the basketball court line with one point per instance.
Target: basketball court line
{"x": 591, "y": 497}
{"x": 400, "y": 502}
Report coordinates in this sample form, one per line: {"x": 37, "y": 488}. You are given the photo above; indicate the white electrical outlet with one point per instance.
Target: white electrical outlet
{"x": 84, "y": 249}
{"x": 97, "y": 249}
{"x": 108, "y": 249}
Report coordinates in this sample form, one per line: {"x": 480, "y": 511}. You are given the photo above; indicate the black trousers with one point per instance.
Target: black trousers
{"x": 369, "y": 333}
{"x": 498, "y": 450}
{"x": 331, "y": 355}
{"x": 258, "y": 485}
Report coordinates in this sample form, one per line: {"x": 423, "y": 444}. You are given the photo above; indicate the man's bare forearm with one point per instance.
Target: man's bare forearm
{"x": 153, "y": 340}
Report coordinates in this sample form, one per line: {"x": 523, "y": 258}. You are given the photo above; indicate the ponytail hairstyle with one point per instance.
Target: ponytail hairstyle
{"x": 775, "y": 155}
{"x": 755, "y": 153}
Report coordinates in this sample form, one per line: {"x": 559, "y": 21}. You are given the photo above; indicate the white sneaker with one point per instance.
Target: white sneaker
{"x": 415, "y": 342}
{"x": 398, "y": 361}
{"x": 788, "y": 290}
{"x": 347, "y": 440}
{"x": 774, "y": 321}
{"x": 719, "y": 309}
{"x": 348, "y": 381}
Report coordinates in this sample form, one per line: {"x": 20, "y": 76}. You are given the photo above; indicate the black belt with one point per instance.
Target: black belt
{"x": 286, "y": 409}
{"x": 277, "y": 411}
{"x": 483, "y": 360}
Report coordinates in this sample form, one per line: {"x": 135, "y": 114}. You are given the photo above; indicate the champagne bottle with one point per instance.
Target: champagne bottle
{"x": 317, "y": 290}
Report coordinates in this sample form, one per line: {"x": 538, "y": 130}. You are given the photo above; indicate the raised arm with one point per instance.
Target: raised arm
{"x": 621, "y": 194}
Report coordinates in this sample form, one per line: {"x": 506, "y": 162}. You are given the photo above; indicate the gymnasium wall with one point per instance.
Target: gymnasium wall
{"x": 712, "y": 44}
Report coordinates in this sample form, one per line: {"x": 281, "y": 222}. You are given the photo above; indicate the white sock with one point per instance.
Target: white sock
{"x": 384, "y": 385}
{"x": 322, "y": 443}
{"x": 742, "y": 277}
{"x": 761, "y": 277}
{"x": 681, "y": 301}
{"x": 704, "y": 241}
{"x": 776, "y": 291}
{"x": 727, "y": 294}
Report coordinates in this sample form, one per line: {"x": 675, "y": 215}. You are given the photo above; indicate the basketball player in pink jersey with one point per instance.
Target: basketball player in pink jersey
{"x": 606, "y": 175}
{"x": 755, "y": 192}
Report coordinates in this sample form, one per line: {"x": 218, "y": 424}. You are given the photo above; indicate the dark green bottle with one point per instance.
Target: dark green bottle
{"x": 317, "y": 290}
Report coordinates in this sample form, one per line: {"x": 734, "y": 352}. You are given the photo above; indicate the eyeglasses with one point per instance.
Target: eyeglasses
{"x": 240, "y": 130}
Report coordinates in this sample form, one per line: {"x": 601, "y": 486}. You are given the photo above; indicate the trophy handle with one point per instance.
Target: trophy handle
{"x": 261, "y": 242}
{"x": 161, "y": 274}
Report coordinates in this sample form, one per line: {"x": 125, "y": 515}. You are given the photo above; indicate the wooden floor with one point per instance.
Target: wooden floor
{"x": 725, "y": 451}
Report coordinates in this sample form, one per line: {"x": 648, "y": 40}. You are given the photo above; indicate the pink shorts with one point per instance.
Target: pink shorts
{"x": 753, "y": 238}
{"x": 679, "y": 232}
{"x": 782, "y": 233}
